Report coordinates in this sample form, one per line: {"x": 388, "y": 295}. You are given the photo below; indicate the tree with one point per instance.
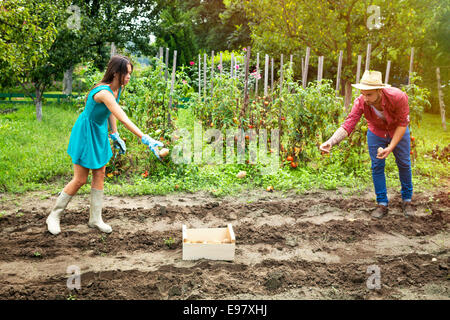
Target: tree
{"x": 28, "y": 31}
{"x": 38, "y": 45}
{"x": 288, "y": 26}
{"x": 127, "y": 24}
{"x": 235, "y": 18}
{"x": 216, "y": 20}
{"x": 435, "y": 53}
{"x": 176, "y": 33}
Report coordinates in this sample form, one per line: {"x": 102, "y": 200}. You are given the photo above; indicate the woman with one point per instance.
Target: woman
{"x": 89, "y": 146}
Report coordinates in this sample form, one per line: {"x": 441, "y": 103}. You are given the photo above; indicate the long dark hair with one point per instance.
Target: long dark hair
{"x": 117, "y": 64}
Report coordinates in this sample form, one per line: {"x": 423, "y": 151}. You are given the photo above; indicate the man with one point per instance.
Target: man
{"x": 387, "y": 113}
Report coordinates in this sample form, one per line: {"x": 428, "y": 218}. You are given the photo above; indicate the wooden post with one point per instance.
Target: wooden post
{"x": 199, "y": 75}
{"x": 271, "y": 83}
{"x": 441, "y": 98}
{"x": 305, "y": 72}
{"x": 339, "y": 72}
{"x": 161, "y": 58}
{"x": 172, "y": 84}
{"x": 166, "y": 74}
{"x": 204, "y": 75}
{"x": 388, "y": 69}
{"x": 212, "y": 72}
{"x": 290, "y": 68}
{"x": 256, "y": 75}
{"x": 303, "y": 67}
{"x": 281, "y": 72}
{"x": 247, "y": 65}
{"x": 369, "y": 48}
{"x": 232, "y": 64}
{"x": 320, "y": 69}
{"x": 266, "y": 75}
{"x": 358, "y": 69}
{"x": 221, "y": 60}
{"x": 411, "y": 61}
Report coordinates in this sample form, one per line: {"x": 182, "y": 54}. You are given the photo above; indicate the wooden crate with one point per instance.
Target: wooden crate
{"x": 209, "y": 243}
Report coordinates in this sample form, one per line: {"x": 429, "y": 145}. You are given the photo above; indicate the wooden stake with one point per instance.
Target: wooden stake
{"x": 388, "y": 69}
{"x": 266, "y": 75}
{"x": 303, "y": 67}
{"x": 339, "y": 72}
{"x": 369, "y": 48}
{"x": 320, "y": 69}
{"x": 256, "y": 75}
{"x": 166, "y": 74}
{"x": 305, "y": 72}
{"x": 411, "y": 61}
{"x": 199, "y": 75}
{"x": 271, "y": 86}
{"x": 441, "y": 99}
{"x": 292, "y": 71}
{"x": 247, "y": 65}
{"x": 204, "y": 75}
{"x": 221, "y": 61}
{"x": 172, "y": 83}
{"x": 358, "y": 69}
{"x": 281, "y": 72}
{"x": 212, "y": 72}
{"x": 232, "y": 64}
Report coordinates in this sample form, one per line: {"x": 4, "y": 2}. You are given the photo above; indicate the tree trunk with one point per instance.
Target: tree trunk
{"x": 113, "y": 49}
{"x": 68, "y": 80}
{"x": 38, "y": 103}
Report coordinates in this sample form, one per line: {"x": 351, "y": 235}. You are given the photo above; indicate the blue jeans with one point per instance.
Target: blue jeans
{"x": 403, "y": 160}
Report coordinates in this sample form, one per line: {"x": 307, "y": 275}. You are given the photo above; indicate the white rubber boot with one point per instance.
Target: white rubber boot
{"x": 95, "y": 216}
{"x": 54, "y": 216}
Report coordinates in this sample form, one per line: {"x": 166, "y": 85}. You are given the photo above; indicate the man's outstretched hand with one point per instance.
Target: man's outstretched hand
{"x": 325, "y": 147}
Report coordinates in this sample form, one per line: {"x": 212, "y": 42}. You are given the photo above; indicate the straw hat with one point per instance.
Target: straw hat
{"x": 371, "y": 80}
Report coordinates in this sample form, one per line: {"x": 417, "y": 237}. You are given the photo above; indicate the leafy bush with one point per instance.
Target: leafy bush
{"x": 417, "y": 99}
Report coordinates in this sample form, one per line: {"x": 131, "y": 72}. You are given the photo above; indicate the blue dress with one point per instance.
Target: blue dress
{"x": 89, "y": 144}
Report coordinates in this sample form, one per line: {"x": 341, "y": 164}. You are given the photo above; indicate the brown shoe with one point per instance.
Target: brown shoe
{"x": 408, "y": 209}
{"x": 380, "y": 211}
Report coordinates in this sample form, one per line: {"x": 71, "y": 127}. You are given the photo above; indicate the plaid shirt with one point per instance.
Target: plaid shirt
{"x": 394, "y": 104}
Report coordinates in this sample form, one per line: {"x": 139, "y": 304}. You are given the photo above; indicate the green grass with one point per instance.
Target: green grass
{"x": 33, "y": 157}
{"x": 33, "y": 154}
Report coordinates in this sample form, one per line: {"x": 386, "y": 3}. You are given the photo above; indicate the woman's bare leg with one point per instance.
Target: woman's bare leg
{"x": 98, "y": 178}
{"x": 79, "y": 179}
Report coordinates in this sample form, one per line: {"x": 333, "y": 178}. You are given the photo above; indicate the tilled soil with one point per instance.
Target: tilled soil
{"x": 317, "y": 245}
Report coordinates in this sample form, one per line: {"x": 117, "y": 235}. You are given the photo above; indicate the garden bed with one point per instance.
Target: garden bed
{"x": 317, "y": 245}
